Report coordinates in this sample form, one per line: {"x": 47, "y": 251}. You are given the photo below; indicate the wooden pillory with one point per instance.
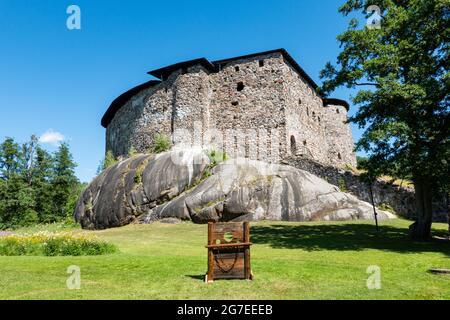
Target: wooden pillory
{"x": 228, "y": 251}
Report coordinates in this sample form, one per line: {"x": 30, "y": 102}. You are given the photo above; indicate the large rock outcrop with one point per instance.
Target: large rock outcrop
{"x": 180, "y": 184}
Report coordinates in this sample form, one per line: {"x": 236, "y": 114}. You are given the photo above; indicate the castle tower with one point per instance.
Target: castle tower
{"x": 339, "y": 136}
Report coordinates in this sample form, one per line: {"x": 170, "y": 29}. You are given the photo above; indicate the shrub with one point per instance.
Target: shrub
{"x": 57, "y": 244}
{"x": 216, "y": 157}
{"x": 107, "y": 162}
{"x": 132, "y": 152}
{"x": 140, "y": 171}
{"x": 161, "y": 143}
{"x": 29, "y": 218}
{"x": 342, "y": 185}
{"x": 386, "y": 207}
{"x": 110, "y": 160}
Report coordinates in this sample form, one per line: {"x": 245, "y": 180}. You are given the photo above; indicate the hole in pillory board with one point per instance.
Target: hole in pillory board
{"x": 228, "y": 237}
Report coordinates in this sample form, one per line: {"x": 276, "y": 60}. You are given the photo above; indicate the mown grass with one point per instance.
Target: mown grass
{"x": 315, "y": 260}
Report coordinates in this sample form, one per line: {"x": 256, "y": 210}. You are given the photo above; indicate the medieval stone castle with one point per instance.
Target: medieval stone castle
{"x": 261, "y": 106}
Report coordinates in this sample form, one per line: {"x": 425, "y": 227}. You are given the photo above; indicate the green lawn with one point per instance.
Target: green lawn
{"x": 325, "y": 260}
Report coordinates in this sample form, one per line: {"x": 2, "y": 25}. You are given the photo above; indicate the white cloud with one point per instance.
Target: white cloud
{"x": 52, "y": 137}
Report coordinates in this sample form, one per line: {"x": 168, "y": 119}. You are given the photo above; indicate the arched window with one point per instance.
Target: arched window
{"x": 293, "y": 146}
{"x": 339, "y": 156}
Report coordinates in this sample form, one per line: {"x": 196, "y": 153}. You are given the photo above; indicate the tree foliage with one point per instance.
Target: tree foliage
{"x": 35, "y": 186}
{"x": 402, "y": 73}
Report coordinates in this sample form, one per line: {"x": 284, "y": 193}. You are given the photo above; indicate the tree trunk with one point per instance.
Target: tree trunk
{"x": 448, "y": 211}
{"x": 421, "y": 229}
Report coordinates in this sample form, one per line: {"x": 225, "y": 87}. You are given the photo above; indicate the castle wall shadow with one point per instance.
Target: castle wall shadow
{"x": 345, "y": 237}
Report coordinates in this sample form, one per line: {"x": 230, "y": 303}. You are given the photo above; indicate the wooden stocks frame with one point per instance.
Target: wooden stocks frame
{"x": 228, "y": 251}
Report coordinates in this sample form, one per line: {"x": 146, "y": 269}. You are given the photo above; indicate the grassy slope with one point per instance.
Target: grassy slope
{"x": 323, "y": 260}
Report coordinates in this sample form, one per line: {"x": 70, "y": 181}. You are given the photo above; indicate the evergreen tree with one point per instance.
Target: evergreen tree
{"x": 9, "y": 158}
{"x": 43, "y": 191}
{"x": 64, "y": 182}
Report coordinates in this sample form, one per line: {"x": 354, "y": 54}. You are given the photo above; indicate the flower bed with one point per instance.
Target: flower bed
{"x": 53, "y": 244}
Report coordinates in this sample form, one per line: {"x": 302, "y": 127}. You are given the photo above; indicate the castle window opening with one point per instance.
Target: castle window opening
{"x": 236, "y": 68}
{"x": 339, "y": 156}
{"x": 261, "y": 63}
{"x": 240, "y": 86}
{"x": 337, "y": 110}
{"x": 235, "y": 103}
{"x": 304, "y": 143}
{"x": 299, "y": 101}
{"x": 307, "y": 111}
{"x": 293, "y": 146}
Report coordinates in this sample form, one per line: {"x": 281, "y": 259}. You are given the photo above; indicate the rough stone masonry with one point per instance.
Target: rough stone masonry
{"x": 261, "y": 106}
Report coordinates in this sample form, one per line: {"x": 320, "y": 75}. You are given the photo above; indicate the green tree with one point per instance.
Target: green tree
{"x": 73, "y": 200}
{"x": 42, "y": 188}
{"x": 361, "y": 162}
{"x": 9, "y": 158}
{"x": 35, "y": 186}
{"x": 16, "y": 198}
{"x": 64, "y": 182}
{"x": 401, "y": 71}
{"x": 28, "y": 157}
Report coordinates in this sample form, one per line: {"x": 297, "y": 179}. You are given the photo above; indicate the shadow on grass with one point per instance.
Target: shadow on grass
{"x": 196, "y": 276}
{"x": 345, "y": 237}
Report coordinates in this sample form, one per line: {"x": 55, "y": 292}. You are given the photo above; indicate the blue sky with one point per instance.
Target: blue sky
{"x": 59, "y": 81}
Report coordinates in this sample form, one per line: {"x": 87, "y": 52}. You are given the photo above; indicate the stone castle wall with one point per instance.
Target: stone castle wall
{"x": 251, "y": 120}
{"x": 136, "y": 123}
{"x": 258, "y": 107}
{"x": 305, "y": 127}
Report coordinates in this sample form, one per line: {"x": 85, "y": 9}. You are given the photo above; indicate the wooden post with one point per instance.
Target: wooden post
{"x": 247, "y": 268}
{"x": 373, "y": 206}
{"x": 210, "y": 274}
